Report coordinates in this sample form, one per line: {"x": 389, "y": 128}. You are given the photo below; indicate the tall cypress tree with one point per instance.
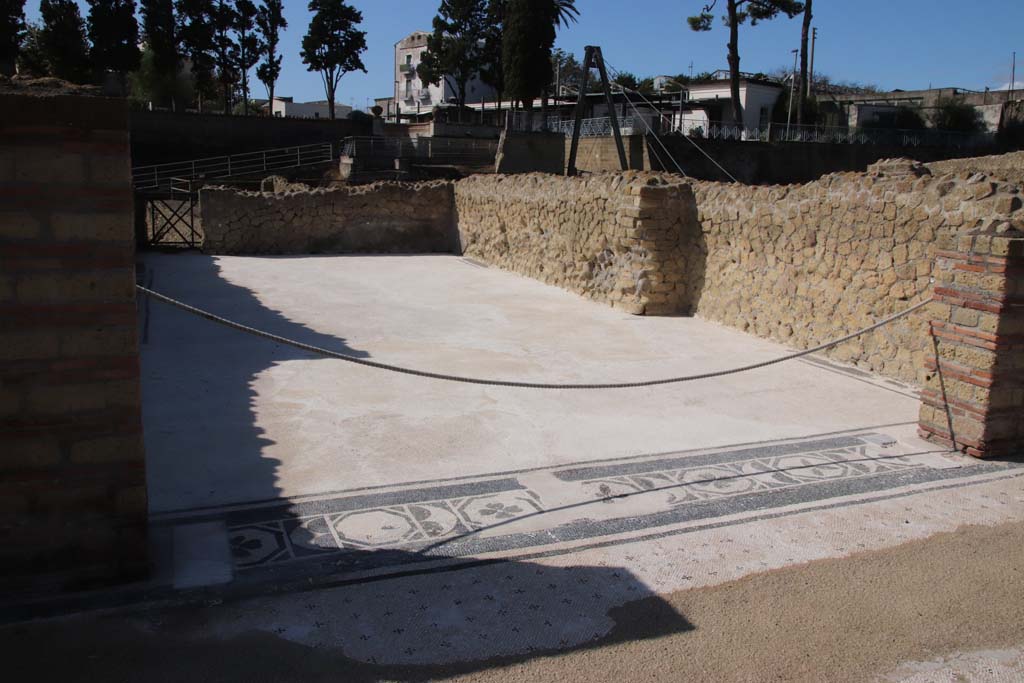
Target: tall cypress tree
{"x": 528, "y": 36}
{"x": 114, "y": 34}
{"x": 63, "y": 40}
{"x": 12, "y": 29}
{"x": 225, "y": 49}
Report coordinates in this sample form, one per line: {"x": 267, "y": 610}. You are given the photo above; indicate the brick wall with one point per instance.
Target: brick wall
{"x": 72, "y": 478}
{"x": 973, "y": 396}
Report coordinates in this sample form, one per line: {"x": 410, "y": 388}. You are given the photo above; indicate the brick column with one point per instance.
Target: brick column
{"x": 72, "y": 476}
{"x": 973, "y": 396}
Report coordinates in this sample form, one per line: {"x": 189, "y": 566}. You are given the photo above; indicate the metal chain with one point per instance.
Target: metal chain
{"x": 507, "y": 383}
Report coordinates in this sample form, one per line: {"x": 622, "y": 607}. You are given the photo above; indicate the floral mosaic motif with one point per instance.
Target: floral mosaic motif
{"x": 749, "y": 476}
{"x": 252, "y": 545}
{"x": 487, "y": 510}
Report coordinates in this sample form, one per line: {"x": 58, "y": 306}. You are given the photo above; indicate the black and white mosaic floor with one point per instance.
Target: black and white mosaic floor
{"x": 535, "y": 513}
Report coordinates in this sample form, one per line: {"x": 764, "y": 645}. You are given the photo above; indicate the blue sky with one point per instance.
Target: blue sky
{"x": 904, "y": 44}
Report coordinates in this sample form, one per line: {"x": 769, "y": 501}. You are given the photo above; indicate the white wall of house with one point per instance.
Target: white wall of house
{"x": 414, "y": 96}
{"x": 757, "y": 100}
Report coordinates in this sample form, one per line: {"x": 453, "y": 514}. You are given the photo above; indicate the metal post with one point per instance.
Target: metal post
{"x": 810, "y": 73}
{"x": 588, "y": 57}
{"x": 1013, "y": 76}
{"x": 611, "y": 108}
{"x": 792, "y": 92}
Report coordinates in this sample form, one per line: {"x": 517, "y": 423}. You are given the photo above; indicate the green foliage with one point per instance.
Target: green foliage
{"x": 737, "y": 13}
{"x": 626, "y": 80}
{"x": 114, "y": 34}
{"x": 195, "y": 32}
{"x": 159, "y": 33}
{"x": 225, "y": 50}
{"x": 12, "y": 32}
{"x": 492, "y": 70}
{"x": 333, "y": 43}
{"x": 31, "y": 59}
{"x": 150, "y": 84}
{"x": 527, "y": 41}
{"x": 63, "y": 41}
{"x": 956, "y": 115}
{"x": 454, "y": 50}
{"x": 270, "y": 20}
{"x": 249, "y": 48}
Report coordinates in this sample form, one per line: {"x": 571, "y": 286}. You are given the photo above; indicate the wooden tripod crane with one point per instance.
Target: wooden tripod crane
{"x": 593, "y": 58}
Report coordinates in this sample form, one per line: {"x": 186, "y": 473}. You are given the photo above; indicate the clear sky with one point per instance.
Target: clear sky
{"x": 906, "y": 44}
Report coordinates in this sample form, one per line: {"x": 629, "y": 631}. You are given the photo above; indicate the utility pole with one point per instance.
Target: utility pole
{"x": 691, "y": 70}
{"x": 792, "y": 90}
{"x": 1013, "y": 75}
{"x": 810, "y": 74}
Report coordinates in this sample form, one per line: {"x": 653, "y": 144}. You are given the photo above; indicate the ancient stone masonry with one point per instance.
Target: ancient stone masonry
{"x": 624, "y": 239}
{"x": 973, "y": 396}
{"x": 382, "y": 217}
{"x": 72, "y": 474}
{"x": 807, "y": 263}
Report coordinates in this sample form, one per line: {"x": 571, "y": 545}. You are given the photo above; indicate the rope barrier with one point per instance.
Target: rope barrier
{"x": 506, "y": 383}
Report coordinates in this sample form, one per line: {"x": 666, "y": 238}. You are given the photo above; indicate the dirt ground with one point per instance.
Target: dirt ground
{"x": 850, "y": 619}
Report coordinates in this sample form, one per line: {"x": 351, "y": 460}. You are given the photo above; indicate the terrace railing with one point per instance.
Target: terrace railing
{"x": 160, "y": 176}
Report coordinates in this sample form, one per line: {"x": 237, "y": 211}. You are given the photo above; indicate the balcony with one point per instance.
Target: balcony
{"x": 407, "y": 69}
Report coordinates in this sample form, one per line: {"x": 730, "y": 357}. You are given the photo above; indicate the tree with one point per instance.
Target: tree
{"x": 114, "y": 34}
{"x": 526, "y": 47}
{"x": 270, "y": 20}
{"x": 492, "y": 70}
{"x": 332, "y": 44}
{"x": 225, "y": 50}
{"x": 249, "y": 48}
{"x": 801, "y": 100}
{"x": 63, "y": 40}
{"x": 160, "y": 35}
{"x": 956, "y": 115}
{"x": 12, "y": 30}
{"x": 737, "y": 12}
{"x": 31, "y": 59}
{"x": 455, "y": 51}
{"x": 196, "y": 19}
{"x": 626, "y": 80}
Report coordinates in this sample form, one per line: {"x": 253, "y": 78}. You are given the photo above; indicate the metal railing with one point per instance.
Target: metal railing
{"x": 440, "y": 150}
{"x": 162, "y": 176}
{"x": 780, "y": 132}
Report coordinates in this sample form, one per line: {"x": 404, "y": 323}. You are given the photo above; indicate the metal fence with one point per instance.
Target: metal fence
{"x": 701, "y": 128}
{"x": 160, "y": 176}
{"x": 453, "y": 151}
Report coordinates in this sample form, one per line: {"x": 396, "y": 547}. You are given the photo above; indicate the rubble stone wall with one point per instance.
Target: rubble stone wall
{"x": 804, "y": 264}
{"x": 377, "y": 218}
{"x": 624, "y": 239}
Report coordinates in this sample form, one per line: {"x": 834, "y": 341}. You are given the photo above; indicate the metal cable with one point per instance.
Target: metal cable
{"x": 688, "y": 138}
{"x": 506, "y": 383}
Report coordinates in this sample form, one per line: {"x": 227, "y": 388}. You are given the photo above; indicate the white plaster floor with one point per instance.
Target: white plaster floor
{"x": 231, "y": 418}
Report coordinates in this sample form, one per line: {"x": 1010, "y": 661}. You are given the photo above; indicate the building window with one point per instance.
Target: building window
{"x": 408, "y": 88}
{"x": 408, "y": 60}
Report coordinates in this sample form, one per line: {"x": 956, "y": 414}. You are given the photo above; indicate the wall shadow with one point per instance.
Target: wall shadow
{"x": 203, "y": 446}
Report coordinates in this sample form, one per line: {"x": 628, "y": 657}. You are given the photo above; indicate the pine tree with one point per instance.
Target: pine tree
{"x": 196, "y": 37}
{"x": 63, "y": 40}
{"x": 455, "y": 50}
{"x": 270, "y": 20}
{"x": 12, "y": 32}
{"x": 737, "y": 13}
{"x": 333, "y": 43}
{"x": 249, "y": 48}
{"x": 160, "y": 35}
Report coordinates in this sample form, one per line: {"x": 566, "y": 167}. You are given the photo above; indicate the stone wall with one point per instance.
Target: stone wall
{"x": 376, "y": 218}
{"x": 1006, "y": 166}
{"x": 625, "y": 239}
{"x": 805, "y": 264}
{"x": 72, "y": 473}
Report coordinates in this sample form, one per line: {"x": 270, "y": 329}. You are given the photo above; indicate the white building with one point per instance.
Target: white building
{"x": 412, "y": 96}
{"x": 757, "y": 97}
{"x": 285, "y": 107}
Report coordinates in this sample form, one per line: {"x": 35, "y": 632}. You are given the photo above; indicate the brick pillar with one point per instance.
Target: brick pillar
{"x": 72, "y": 476}
{"x": 973, "y": 396}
